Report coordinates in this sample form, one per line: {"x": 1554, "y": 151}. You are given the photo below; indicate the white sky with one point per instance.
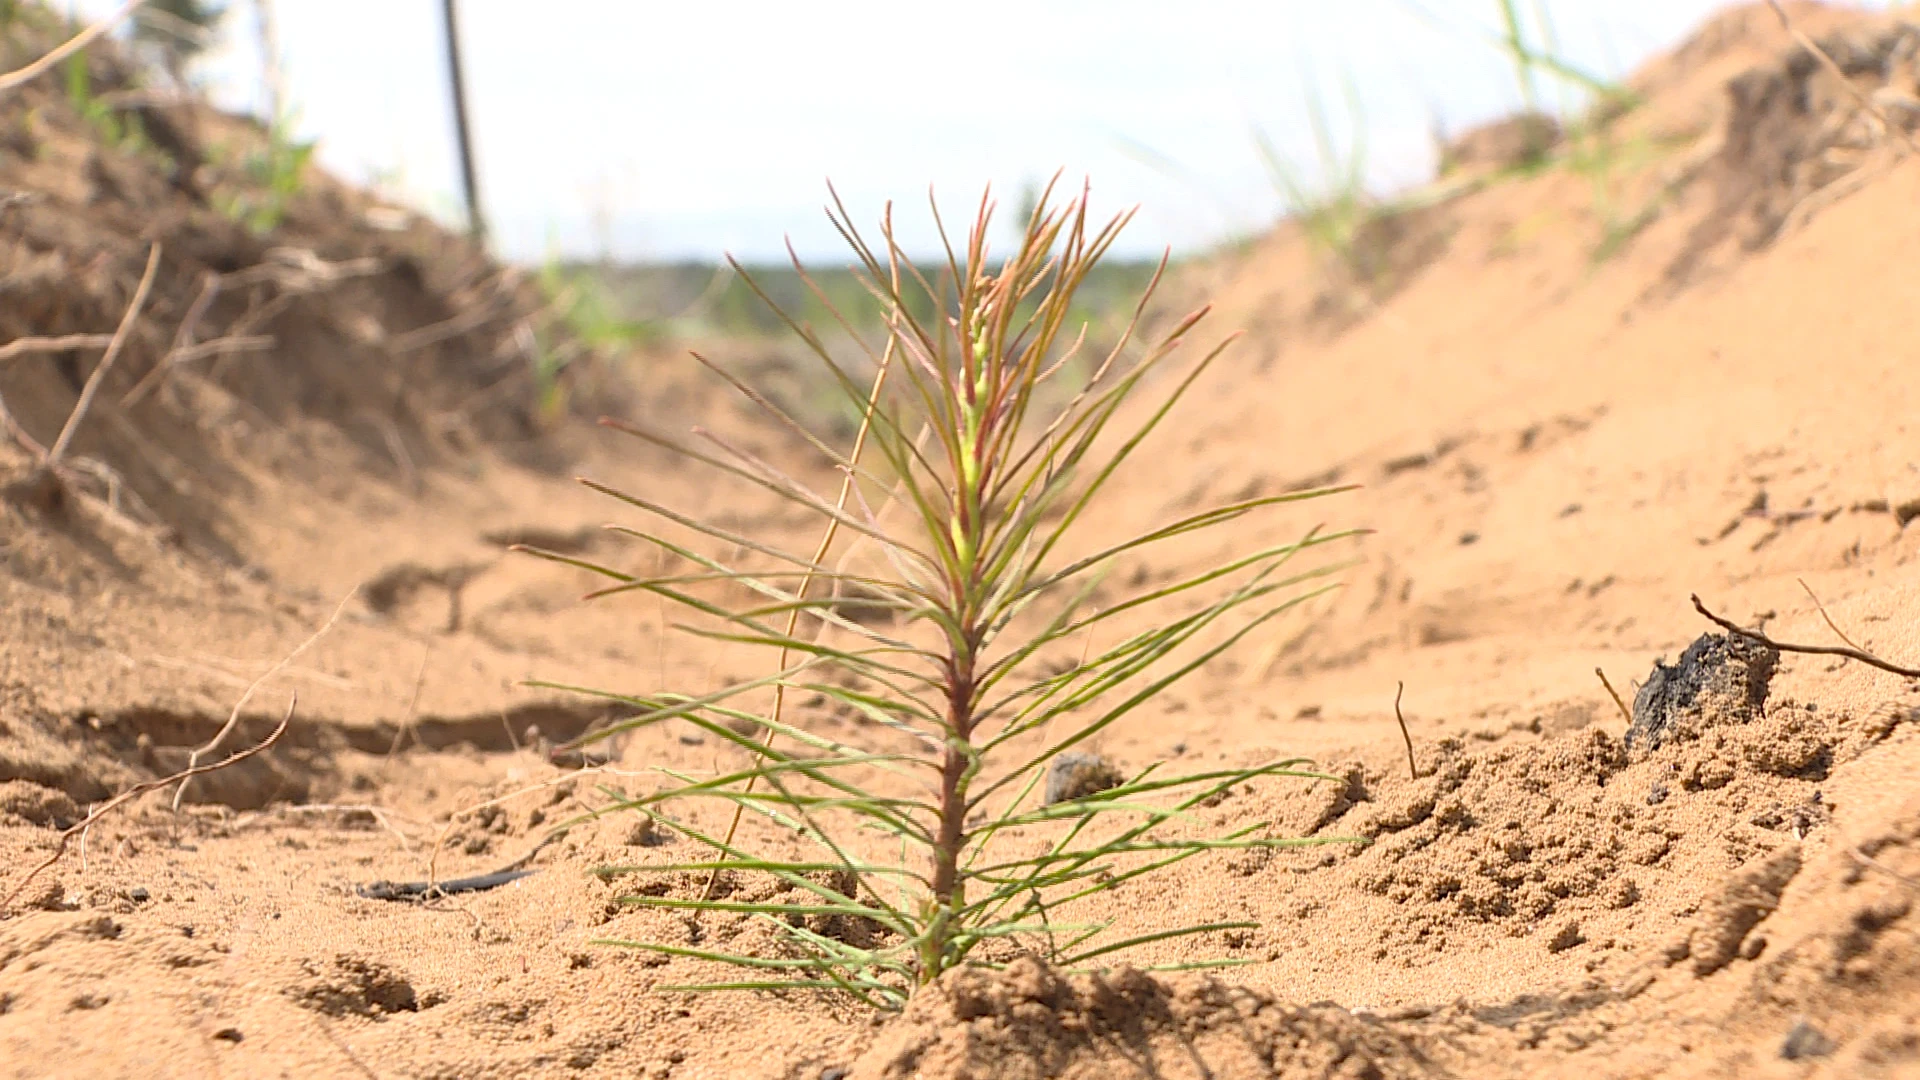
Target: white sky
{"x": 684, "y": 129}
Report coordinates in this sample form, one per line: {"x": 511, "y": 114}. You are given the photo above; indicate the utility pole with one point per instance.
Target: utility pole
{"x": 476, "y": 220}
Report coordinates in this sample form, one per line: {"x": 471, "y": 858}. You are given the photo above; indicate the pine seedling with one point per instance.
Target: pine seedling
{"x": 930, "y": 841}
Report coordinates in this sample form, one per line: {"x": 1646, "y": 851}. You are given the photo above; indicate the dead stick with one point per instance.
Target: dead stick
{"x": 73, "y": 45}
{"x": 138, "y": 790}
{"x": 1615, "y": 694}
{"x": 1848, "y": 652}
{"x": 1822, "y": 609}
{"x": 1411, "y": 767}
{"x": 28, "y": 346}
{"x": 233, "y": 718}
{"x": 1867, "y": 860}
{"x": 114, "y": 348}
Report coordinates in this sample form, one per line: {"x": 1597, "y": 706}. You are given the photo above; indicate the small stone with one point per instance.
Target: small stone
{"x": 229, "y": 1034}
{"x": 49, "y": 895}
{"x": 1566, "y": 937}
{"x": 1075, "y": 775}
{"x": 834, "y": 1072}
{"x": 648, "y": 833}
{"x": 139, "y": 895}
{"x": 1805, "y": 1041}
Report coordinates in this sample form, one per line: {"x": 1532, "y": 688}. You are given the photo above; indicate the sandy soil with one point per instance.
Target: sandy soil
{"x": 1554, "y": 450}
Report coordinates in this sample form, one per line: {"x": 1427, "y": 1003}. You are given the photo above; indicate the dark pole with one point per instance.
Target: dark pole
{"x": 476, "y": 220}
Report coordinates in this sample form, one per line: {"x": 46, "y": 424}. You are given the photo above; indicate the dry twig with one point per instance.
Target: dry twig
{"x": 1848, "y": 652}
{"x": 1867, "y": 860}
{"x": 233, "y": 718}
{"x": 114, "y": 347}
{"x": 1615, "y": 694}
{"x": 29, "y": 346}
{"x": 1822, "y": 609}
{"x": 134, "y": 792}
{"x": 13, "y": 79}
{"x": 1412, "y": 768}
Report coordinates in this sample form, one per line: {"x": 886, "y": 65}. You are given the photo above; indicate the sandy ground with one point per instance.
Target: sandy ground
{"x": 1553, "y": 451}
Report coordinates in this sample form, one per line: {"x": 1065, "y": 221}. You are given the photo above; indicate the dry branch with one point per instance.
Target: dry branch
{"x": 13, "y": 79}
{"x": 233, "y": 718}
{"x": 1846, "y": 651}
{"x": 79, "y": 828}
{"x": 1625, "y": 712}
{"x": 114, "y": 348}
{"x": 1412, "y": 768}
{"x": 30, "y": 346}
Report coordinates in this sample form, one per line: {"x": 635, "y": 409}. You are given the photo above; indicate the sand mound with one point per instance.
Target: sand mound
{"x": 1796, "y": 139}
{"x": 1029, "y": 1023}
{"x": 295, "y": 326}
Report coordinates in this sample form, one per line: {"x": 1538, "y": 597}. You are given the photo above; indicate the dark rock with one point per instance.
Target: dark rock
{"x": 1805, "y": 1041}
{"x": 1720, "y": 678}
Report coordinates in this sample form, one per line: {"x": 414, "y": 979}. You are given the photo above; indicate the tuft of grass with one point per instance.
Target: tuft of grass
{"x": 973, "y": 644}
{"x": 123, "y": 133}
{"x": 1332, "y": 208}
{"x": 579, "y": 304}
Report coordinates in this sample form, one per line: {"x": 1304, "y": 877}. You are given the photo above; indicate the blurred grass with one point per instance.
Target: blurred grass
{"x": 704, "y": 300}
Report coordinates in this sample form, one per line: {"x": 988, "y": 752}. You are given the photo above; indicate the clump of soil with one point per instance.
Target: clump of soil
{"x": 1720, "y": 676}
{"x": 1076, "y": 775}
{"x": 335, "y": 331}
{"x": 1029, "y": 1022}
{"x": 1795, "y": 138}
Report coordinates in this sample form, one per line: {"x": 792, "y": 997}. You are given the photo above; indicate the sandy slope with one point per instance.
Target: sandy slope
{"x": 1554, "y": 452}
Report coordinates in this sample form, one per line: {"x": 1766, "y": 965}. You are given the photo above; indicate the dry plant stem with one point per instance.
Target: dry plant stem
{"x": 1413, "y": 770}
{"x": 1848, "y": 652}
{"x": 827, "y": 537}
{"x": 233, "y": 718}
{"x": 20, "y": 434}
{"x": 1834, "y": 69}
{"x": 114, "y": 348}
{"x": 210, "y": 284}
{"x": 13, "y": 79}
{"x": 181, "y": 777}
{"x": 1625, "y": 713}
{"x": 413, "y": 703}
{"x": 29, "y": 346}
{"x": 1822, "y": 609}
{"x": 1869, "y": 861}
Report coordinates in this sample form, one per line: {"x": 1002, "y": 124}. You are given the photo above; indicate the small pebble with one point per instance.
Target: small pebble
{"x": 1075, "y": 775}
{"x": 1805, "y": 1041}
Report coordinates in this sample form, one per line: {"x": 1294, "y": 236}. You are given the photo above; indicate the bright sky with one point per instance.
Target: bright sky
{"x": 655, "y": 130}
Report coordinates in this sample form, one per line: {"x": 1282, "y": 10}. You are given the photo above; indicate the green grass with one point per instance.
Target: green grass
{"x": 969, "y": 639}
{"x": 270, "y": 176}
{"x": 697, "y": 299}
{"x": 1332, "y": 207}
